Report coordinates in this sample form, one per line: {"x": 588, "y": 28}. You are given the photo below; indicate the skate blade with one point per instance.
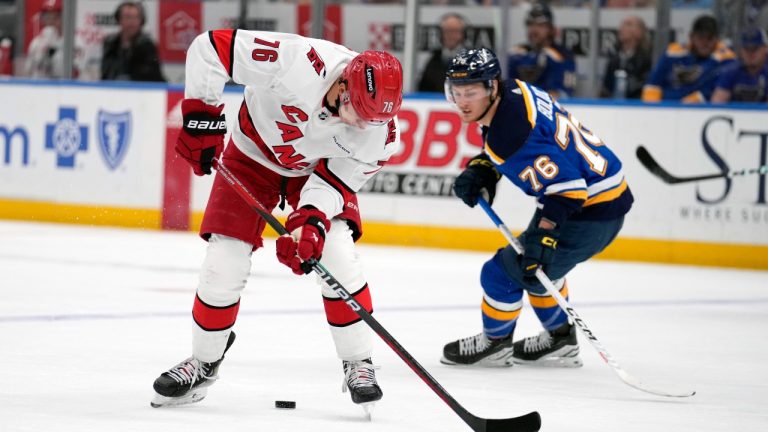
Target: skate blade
{"x": 570, "y": 360}
{"x": 499, "y": 360}
{"x": 163, "y": 401}
{"x": 368, "y": 409}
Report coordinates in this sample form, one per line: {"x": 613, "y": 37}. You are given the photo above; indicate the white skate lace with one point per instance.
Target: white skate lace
{"x": 188, "y": 371}
{"x": 473, "y": 344}
{"x": 360, "y": 374}
{"x": 537, "y": 343}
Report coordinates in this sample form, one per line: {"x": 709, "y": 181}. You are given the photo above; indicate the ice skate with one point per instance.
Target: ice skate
{"x": 479, "y": 350}
{"x": 188, "y": 381}
{"x": 360, "y": 380}
{"x": 549, "y": 348}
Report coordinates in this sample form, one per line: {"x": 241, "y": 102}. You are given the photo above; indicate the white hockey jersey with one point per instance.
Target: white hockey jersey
{"x": 283, "y": 123}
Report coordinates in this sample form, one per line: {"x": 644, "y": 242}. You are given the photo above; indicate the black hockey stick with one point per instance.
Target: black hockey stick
{"x": 530, "y": 422}
{"x": 571, "y": 312}
{"x": 650, "y": 163}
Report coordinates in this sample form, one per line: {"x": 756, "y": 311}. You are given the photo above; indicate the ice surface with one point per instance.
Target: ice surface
{"x": 90, "y": 316}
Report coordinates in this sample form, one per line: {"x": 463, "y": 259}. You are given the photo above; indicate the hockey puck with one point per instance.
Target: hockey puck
{"x": 285, "y": 404}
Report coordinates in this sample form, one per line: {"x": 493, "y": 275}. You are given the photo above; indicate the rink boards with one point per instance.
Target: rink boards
{"x": 98, "y": 154}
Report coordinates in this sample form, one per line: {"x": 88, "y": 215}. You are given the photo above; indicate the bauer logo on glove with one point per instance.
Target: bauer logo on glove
{"x": 203, "y": 126}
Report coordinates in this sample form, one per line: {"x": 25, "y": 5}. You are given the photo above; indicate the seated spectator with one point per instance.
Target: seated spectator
{"x": 45, "y": 57}
{"x": 453, "y": 35}
{"x": 129, "y": 54}
{"x": 688, "y": 73}
{"x": 632, "y": 58}
{"x": 541, "y": 62}
{"x": 746, "y": 80}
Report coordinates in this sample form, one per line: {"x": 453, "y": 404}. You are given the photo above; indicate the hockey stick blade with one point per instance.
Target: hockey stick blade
{"x": 530, "y": 422}
{"x": 650, "y": 163}
{"x": 634, "y": 382}
{"x": 574, "y": 316}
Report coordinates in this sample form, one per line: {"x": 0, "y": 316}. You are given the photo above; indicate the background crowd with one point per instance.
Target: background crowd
{"x": 723, "y": 58}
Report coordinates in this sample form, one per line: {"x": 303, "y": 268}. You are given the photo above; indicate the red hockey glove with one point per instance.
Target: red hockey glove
{"x": 307, "y": 226}
{"x": 202, "y": 137}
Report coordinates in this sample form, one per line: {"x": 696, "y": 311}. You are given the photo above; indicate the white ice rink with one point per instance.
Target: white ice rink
{"x": 90, "y": 316}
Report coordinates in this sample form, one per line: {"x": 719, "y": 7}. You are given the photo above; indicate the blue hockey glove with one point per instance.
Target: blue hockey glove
{"x": 480, "y": 174}
{"x": 540, "y": 246}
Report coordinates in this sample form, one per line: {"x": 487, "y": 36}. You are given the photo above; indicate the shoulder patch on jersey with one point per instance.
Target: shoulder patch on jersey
{"x": 723, "y": 53}
{"x": 554, "y": 54}
{"x": 676, "y": 50}
{"x": 223, "y": 42}
{"x": 520, "y": 49}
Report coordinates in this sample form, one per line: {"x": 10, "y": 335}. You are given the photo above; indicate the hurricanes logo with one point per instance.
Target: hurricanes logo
{"x": 370, "y": 83}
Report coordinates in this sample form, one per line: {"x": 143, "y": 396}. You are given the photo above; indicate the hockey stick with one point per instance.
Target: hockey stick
{"x": 530, "y": 422}
{"x": 567, "y": 308}
{"x": 650, "y": 163}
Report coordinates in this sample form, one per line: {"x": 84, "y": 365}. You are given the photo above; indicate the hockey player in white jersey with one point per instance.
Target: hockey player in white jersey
{"x": 317, "y": 122}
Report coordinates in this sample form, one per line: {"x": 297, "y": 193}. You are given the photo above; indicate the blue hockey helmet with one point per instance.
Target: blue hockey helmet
{"x": 472, "y": 66}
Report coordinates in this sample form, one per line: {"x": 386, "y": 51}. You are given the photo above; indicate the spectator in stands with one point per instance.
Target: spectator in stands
{"x": 541, "y": 62}
{"x": 746, "y": 80}
{"x": 734, "y": 16}
{"x": 453, "y": 37}
{"x": 129, "y": 54}
{"x": 45, "y": 57}
{"x": 688, "y": 73}
{"x": 630, "y": 61}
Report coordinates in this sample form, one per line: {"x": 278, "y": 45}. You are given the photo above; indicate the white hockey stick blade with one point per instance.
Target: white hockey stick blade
{"x": 636, "y": 383}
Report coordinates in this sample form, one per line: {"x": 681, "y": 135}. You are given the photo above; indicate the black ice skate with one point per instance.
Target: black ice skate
{"x": 188, "y": 381}
{"x": 360, "y": 380}
{"x": 479, "y": 350}
{"x": 556, "y": 348}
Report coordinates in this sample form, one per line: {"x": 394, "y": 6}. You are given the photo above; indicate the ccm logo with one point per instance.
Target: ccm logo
{"x": 211, "y": 125}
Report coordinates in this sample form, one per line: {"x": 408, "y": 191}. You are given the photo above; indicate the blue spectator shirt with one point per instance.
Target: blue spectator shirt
{"x": 552, "y": 68}
{"x": 682, "y": 76}
{"x": 743, "y": 86}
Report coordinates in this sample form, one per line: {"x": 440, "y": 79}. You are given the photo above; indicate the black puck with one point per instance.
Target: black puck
{"x": 285, "y": 404}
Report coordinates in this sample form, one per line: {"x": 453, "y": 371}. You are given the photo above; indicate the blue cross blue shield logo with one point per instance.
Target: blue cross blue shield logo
{"x": 114, "y": 133}
{"x": 66, "y": 137}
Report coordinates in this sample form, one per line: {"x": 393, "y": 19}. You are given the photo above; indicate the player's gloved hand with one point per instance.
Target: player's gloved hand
{"x": 307, "y": 226}
{"x": 540, "y": 246}
{"x": 202, "y": 136}
{"x": 478, "y": 175}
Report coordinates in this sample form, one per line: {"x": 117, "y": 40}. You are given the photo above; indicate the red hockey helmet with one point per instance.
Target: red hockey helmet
{"x": 375, "y": 86}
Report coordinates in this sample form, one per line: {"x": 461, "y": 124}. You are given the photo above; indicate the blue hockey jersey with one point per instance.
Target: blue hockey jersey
{"x": 682, "y": 76}
{"x": 549, "y": 154}
{"x": 552, "y": 68}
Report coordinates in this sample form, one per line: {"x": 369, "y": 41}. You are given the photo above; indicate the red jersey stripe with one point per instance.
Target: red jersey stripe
{"x": 224, "y": 43}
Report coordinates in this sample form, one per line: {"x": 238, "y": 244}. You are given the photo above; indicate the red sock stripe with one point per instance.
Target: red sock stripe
{"x": 339, "y": 314}
{"x": 214, "y": 318}
{"x": 223, "y": 41}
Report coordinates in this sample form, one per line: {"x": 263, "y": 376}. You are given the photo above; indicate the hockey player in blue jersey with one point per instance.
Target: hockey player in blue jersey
{"x": 541, "y": 62}
{"x": 746, "y": 81}
{"x": 688, "y": 73}
{"x": 582, "y": 197}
